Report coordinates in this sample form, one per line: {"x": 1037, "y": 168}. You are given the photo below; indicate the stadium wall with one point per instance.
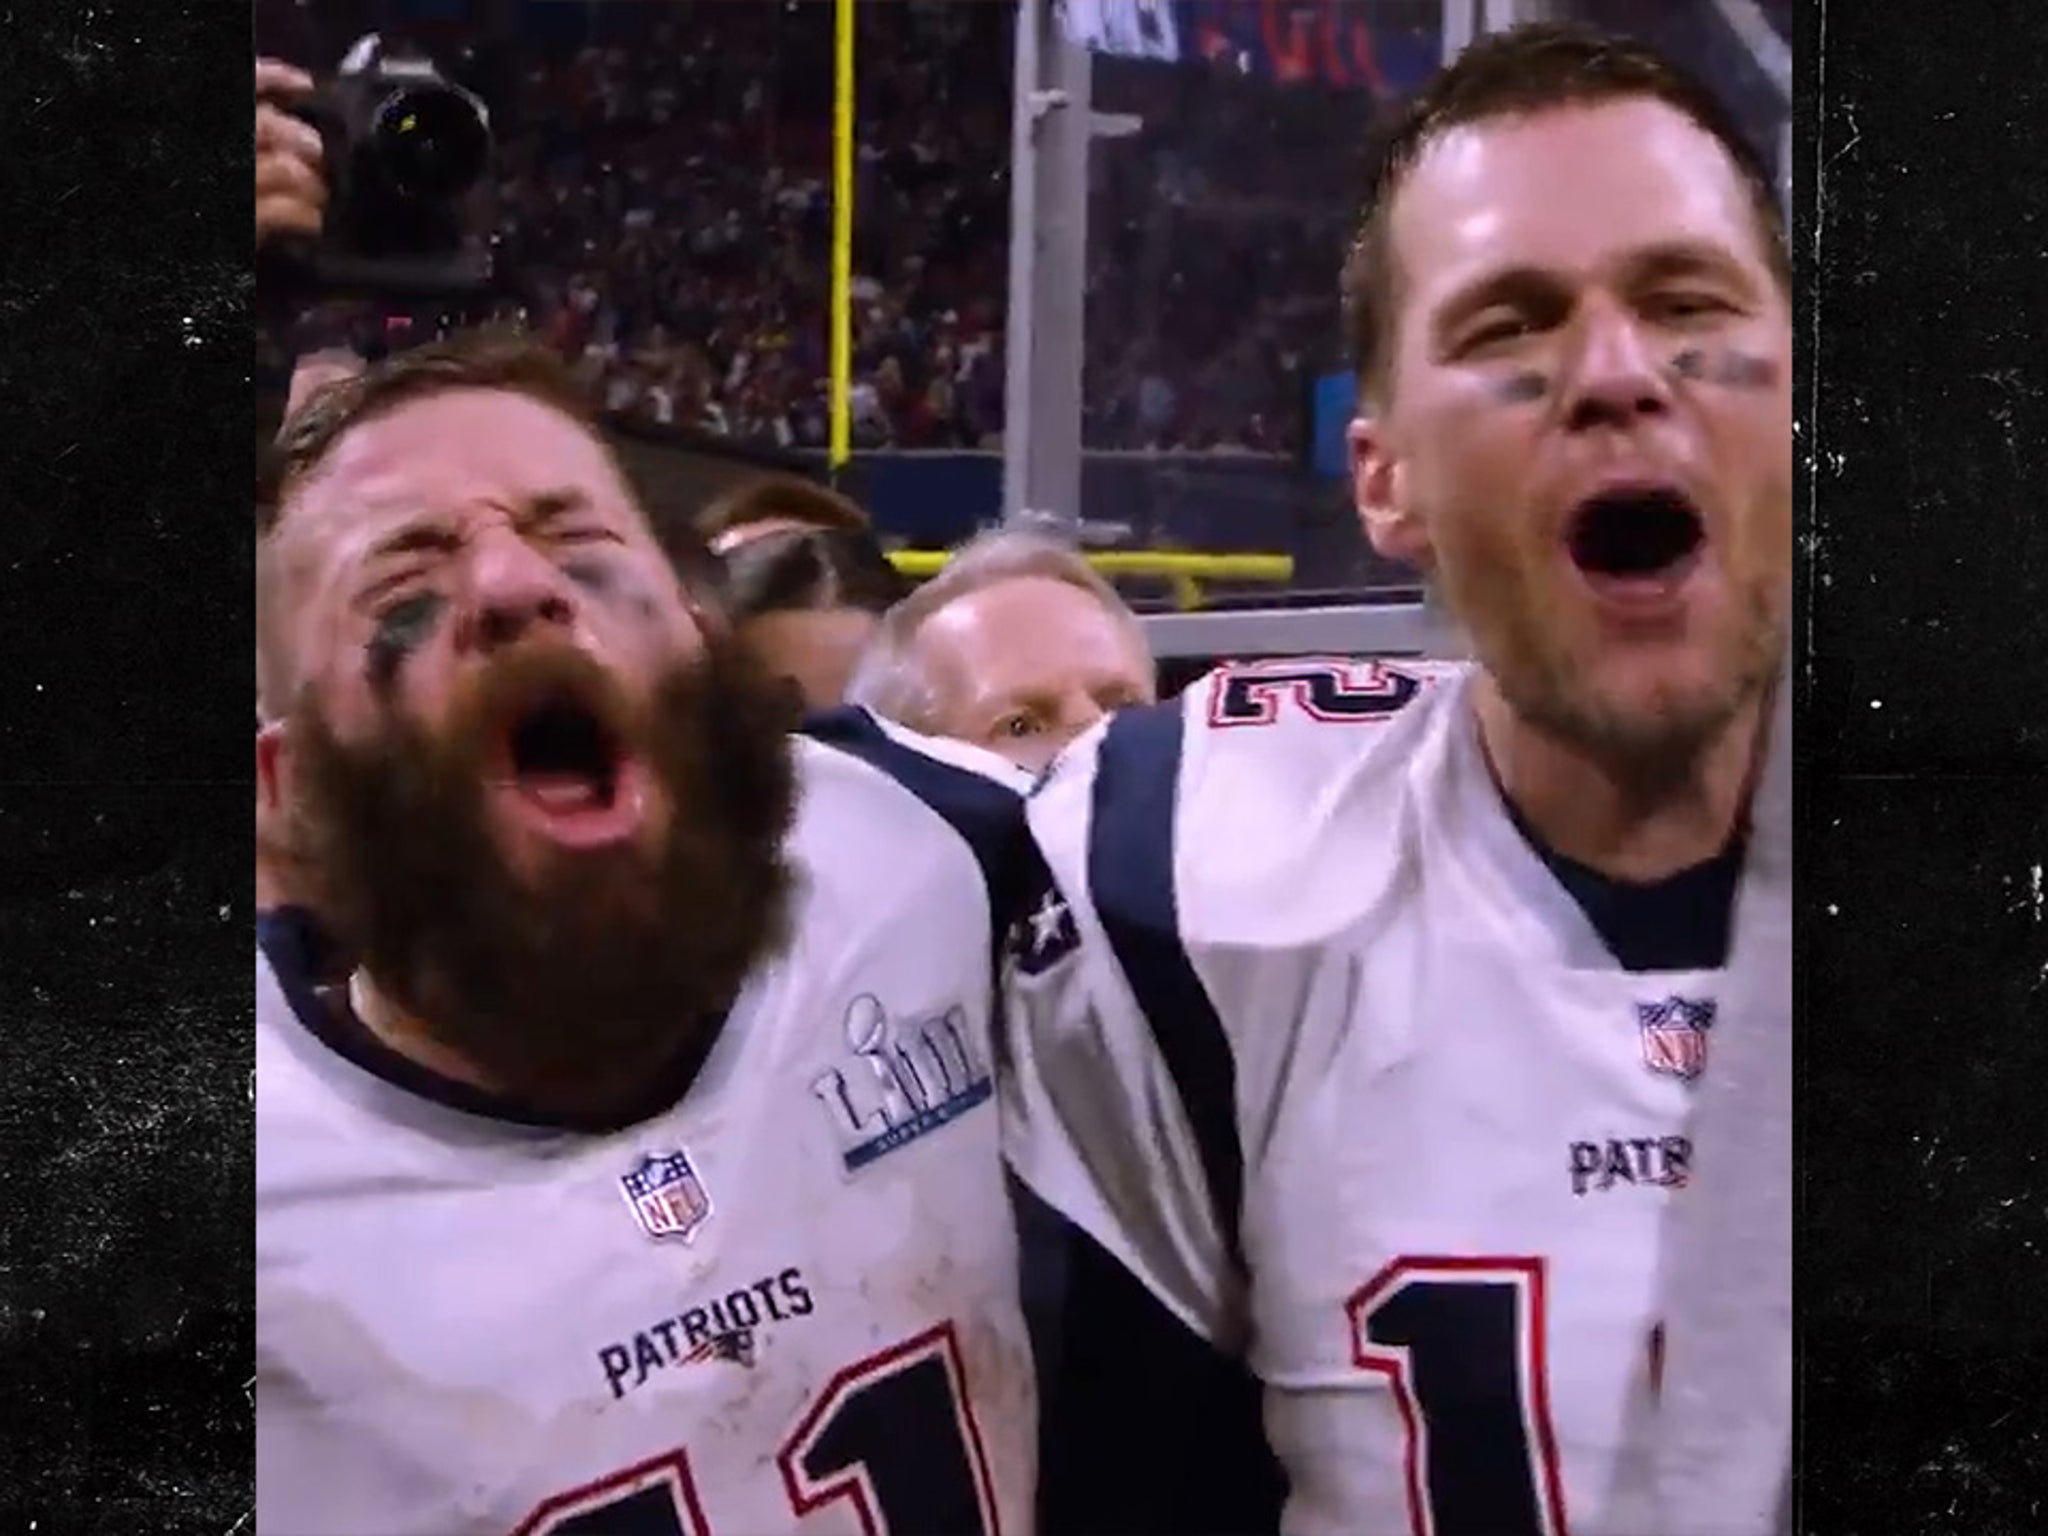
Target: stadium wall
{"x": 1208, "y": 503}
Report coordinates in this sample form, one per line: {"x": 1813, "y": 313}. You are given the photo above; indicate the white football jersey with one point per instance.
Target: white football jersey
{"x": 1308, "y": 1035}
{"x": 787, "y": 1304}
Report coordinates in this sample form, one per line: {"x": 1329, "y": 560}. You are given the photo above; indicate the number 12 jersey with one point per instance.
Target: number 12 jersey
{"x": 1305, "y": 1033}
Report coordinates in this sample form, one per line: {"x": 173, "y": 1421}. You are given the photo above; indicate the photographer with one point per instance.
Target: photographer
{"x": 291, "y": 200}
{"x": 291, "y": 183}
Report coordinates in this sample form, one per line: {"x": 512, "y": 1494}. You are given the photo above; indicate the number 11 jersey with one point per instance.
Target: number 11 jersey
{"x": 786, "y": 1304}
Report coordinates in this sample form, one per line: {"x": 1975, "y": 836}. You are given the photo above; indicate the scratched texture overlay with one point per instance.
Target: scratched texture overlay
{"x": 1923, "y": 940}
{"x": 126, "y": 1339}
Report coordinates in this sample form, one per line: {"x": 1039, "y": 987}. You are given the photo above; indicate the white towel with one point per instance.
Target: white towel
{"x": 1723, "y": 1435}
{"x": 1725, "y": 1422}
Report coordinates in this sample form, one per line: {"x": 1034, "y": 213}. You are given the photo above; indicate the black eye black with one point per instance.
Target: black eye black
{"x": 402, "y": 628}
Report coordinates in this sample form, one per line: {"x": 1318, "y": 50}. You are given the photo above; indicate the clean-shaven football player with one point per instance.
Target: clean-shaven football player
{"x": 644, "y": 1176}
{"x": 1363, "y": 1009}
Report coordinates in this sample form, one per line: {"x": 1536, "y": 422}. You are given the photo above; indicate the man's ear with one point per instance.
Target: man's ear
{"x": 272, "y": 767}
{"x": 1378, "y": 492}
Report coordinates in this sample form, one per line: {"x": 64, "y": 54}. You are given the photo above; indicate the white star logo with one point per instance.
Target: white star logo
{"x": 1045, "y": 922}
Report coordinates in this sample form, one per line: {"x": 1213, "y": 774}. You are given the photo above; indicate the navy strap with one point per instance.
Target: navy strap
{"x": 1130, "y": 874}
{"x": 988, "y": 817}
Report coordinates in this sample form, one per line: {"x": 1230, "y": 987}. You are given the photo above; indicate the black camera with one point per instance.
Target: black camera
{"x": 408, "y": 154}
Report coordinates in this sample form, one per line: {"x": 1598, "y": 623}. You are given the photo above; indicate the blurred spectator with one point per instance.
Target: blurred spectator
{"x": 775, "y": 504}
{"x": 808, "y": 601}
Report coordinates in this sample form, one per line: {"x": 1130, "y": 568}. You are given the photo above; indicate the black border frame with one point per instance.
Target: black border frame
{"x": 1922, "y": 950}
{"x": 126, "y": 558}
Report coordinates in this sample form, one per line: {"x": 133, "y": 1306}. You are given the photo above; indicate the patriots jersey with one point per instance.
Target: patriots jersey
{"x": 789, "y": 1303}
{"x": 1302, "y": 1030}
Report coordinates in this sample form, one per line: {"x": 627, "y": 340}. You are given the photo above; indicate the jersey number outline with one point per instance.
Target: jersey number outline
{"x": 1333, "y": 690}
{"x": 893, "y": 1432}
{"x": 1461, "y": 1343}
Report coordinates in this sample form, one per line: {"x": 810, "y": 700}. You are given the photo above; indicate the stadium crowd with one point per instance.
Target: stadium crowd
{"x": 664, "y": 218}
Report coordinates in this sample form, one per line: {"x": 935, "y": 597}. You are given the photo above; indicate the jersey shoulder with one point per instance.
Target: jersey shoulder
{"x": 308, "y": 1125}
{"x": 1303, "y": 726}
{"x": 864, "y": 780}
{"x": 1262, "y": 807}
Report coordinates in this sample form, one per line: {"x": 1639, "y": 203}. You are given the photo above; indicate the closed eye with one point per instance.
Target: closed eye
{"x": 1681, "y": 307}
{"x": 387, "y": 588}
{"x": 1496, "y": 330}
{"x": 1503, "y": 308}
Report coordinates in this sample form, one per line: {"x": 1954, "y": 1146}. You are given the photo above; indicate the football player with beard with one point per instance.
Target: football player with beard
{"x": 643, "y": 1175}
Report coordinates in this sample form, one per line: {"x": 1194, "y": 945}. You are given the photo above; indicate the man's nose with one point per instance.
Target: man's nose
{"x": 1618, "y": 374}
{"x": 513, "y": 589}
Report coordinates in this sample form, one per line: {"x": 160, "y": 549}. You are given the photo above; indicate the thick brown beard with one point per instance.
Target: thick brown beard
{"x": 570, "y": 985}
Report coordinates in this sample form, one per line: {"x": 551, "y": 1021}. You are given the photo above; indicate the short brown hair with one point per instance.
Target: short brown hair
{"x": 780, "y": 496}
{"x": 1514, "y": 73}
{"x": 805, "y": 570}
{"x": 483, "y": 359}
{"x": 488, "y": 359}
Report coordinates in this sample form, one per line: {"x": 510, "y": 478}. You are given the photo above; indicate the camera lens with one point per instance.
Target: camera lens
{"x": 431, "y": 144}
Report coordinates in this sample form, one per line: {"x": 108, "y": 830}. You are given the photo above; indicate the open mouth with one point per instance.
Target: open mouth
{"x": 569, "y": 774}
{"x": 564, "y": 757}
{"x": 1644, "y": 539}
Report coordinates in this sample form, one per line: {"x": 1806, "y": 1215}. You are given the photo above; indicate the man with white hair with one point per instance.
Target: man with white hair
{"x": 1018, "y": 645}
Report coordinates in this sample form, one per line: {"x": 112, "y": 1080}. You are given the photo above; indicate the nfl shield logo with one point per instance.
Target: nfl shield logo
{"x": 1675, "y": 1034}
{"x": 667, "y": 1197}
